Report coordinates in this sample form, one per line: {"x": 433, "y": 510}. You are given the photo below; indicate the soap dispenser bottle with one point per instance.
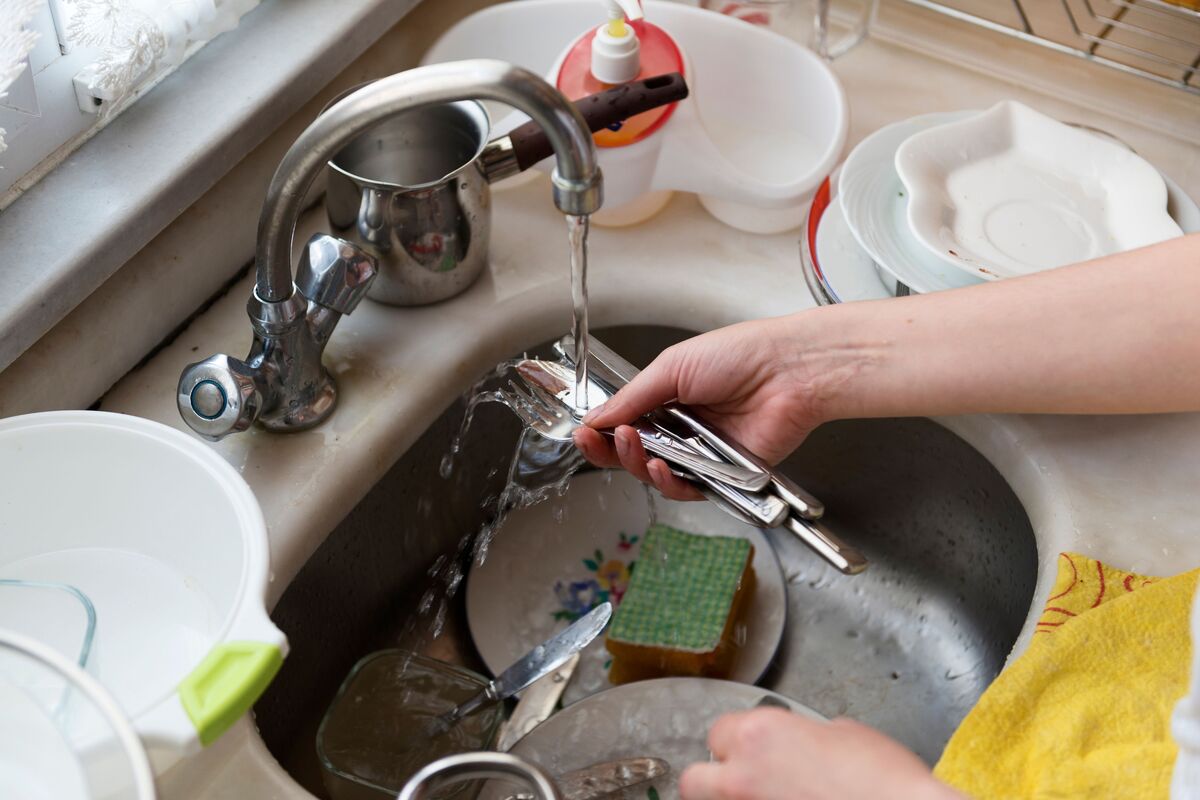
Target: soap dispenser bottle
{"x": 625, "y": 48}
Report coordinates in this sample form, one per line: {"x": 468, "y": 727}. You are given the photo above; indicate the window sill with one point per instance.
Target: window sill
{"x": 73, "y": 230}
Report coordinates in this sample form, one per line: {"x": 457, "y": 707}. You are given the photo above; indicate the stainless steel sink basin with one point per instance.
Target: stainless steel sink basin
{"x": 908, "y": 646}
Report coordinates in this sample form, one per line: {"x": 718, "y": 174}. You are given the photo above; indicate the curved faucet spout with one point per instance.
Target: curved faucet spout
{"x": 282, "y": 384}
{"x": 577, "y": 183}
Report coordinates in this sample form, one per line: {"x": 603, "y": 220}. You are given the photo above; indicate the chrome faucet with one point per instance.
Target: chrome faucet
{"x": 282, "y": 383}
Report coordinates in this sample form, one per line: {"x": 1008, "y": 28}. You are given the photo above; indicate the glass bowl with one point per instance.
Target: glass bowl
{"x": 376, "y": 733}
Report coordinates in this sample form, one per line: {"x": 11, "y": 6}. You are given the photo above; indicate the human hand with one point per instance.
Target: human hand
{"x": 771, "y": 754}
{"x": 753, "y": 381}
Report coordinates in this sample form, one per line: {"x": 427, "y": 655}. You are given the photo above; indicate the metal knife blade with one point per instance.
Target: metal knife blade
{"x": 536, "y": 705}
{"x": 605, "y": 779}
{"x": 541, "y": 660}
{"x": 553, "y": 653}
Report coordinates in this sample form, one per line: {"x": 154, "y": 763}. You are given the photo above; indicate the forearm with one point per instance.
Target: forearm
{"x": 1117, "y": 335}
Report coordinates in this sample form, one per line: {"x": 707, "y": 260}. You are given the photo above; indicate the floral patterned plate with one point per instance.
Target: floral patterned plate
{"x": 554, "y": 562}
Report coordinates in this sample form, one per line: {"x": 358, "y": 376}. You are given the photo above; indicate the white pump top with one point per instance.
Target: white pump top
{"x": 620, "y": 9}
{"x": 615, "y": 48}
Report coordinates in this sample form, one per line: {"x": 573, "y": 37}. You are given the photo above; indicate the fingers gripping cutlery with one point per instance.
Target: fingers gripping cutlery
{"x": 786, "y": 505}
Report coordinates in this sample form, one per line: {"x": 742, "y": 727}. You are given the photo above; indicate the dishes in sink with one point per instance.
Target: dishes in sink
{"x": 1010, "y": 192}
{"x": 552, "y": 562}
{"x": 666, "y": 718}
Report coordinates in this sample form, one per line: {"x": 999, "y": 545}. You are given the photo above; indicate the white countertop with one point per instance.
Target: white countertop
{"x": 1122, "y": 489}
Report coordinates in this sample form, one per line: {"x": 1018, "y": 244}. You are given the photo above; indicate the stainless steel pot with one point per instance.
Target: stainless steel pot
{"x": 414, "y": 190}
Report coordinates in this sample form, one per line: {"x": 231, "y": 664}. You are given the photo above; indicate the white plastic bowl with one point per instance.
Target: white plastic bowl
{"x": 169, "y": 544}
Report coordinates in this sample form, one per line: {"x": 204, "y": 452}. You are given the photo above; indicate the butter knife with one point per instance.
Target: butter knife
{"x": 622, "y": 371}
{"x": 614, "y": 372}
{"x": 536, "y": 705}
{"x": 758, "y": 508}
{"x": 541, "y": 660}
{"x": 558, "y": 380}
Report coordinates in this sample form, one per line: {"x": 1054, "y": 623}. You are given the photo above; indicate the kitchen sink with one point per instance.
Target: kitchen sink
{"x": 908, "y": 646}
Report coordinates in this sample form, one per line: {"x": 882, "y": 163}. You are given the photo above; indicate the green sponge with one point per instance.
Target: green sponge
{"x": 678, "y": 614}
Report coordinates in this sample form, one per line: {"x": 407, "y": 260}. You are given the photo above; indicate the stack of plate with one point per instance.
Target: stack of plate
{"x": 954, "y": 199}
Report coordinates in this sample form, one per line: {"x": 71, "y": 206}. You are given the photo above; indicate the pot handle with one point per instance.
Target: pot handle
{"x": 600, "y": 110}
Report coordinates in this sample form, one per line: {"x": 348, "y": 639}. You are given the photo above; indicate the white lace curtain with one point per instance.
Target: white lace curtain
{"x": 135, "y": 39}
{"x": 141, "y": 37}
{"x": 16, "y": 40}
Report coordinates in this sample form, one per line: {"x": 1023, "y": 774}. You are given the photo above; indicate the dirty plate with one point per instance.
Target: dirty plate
{"x": 666, "y": 718}
{"x": 1010, "y": 192}
{"x": 553, "y": 562}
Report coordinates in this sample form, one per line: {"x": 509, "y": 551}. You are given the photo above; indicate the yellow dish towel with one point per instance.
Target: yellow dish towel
{"x": 1086, "y": 710}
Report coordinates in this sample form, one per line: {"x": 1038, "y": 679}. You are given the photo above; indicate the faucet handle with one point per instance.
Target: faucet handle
{"x": 334, "y": 273}
{"x": 219, "y": 396}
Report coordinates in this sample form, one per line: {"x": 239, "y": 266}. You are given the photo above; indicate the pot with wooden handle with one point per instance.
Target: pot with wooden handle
{"x": 414, "y": 190}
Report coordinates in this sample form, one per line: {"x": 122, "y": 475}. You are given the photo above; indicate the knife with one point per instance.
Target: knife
{"x": 758, "y": 508}
{"x": 558, "y": 379}
{"x": 606, "y": 779}
{"x": 539, "y": 661}
{"x": 536, "y": 705}
{"x": 622, "y": 371}
{"x": 614, "y": 372}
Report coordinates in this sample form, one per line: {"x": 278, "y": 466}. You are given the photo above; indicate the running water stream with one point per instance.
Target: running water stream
{"x": 540, "y": 467}
{"x": 577, "y": 234}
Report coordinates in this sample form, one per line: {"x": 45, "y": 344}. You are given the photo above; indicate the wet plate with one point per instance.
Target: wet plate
{"x": 666, "y": 718}
{"x": 552, "y": 563}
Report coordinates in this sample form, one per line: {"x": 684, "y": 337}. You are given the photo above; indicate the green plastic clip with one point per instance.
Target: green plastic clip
{"x": 226, "y": 683}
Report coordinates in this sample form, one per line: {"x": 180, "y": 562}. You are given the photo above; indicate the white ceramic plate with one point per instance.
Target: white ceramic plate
{"x": 875, "y": 203}
{"x": 849, "y": 271}
{"x": 1011, "y": 192}
{"x": 852, "y": 275}
{"x": 667, "y": 718}
{"x": 541, "y": 572}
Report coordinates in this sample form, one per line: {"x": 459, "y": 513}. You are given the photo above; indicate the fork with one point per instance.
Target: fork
{"x": 537, "y": 414}
{"x": 548, "y": 415}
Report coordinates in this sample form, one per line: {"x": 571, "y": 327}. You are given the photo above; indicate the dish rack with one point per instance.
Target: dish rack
{"x": 1156, "y": 39}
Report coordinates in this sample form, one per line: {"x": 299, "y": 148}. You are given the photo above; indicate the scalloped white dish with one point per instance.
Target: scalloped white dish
{"x": 1011, "y": 192}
